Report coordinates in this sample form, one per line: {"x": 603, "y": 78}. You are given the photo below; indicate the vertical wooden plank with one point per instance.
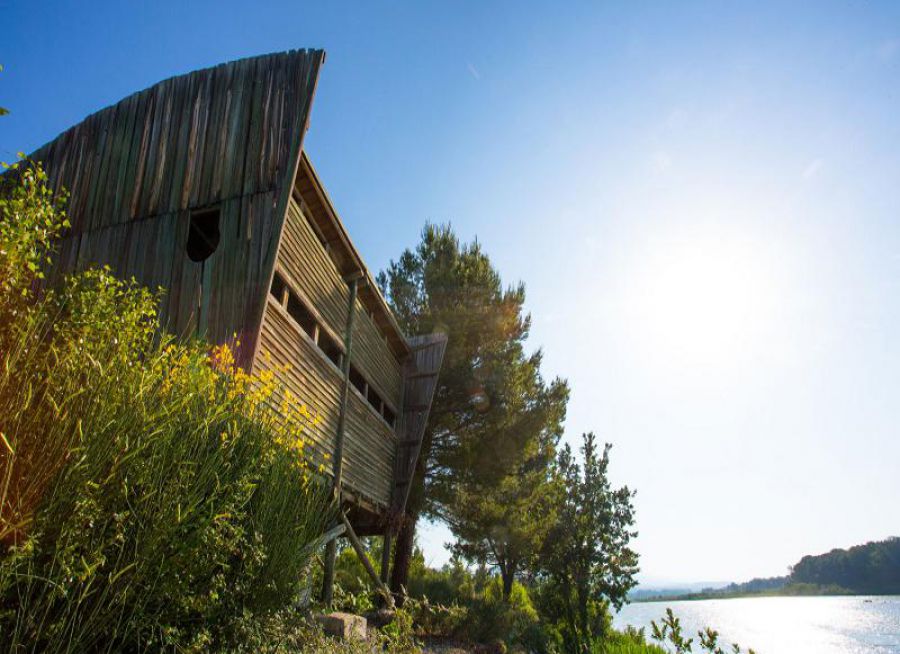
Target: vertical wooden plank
{"x": 180, "y": 179}
{"x": 232, "y": 182}
{"x": 222, "y": 133}
{"x": 114, "y": 161}
{"x": 201, "y": 123}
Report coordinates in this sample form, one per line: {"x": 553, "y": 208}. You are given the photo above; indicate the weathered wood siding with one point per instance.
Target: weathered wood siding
{"x": 306, "y": 264}
{"x": 232, "y": 135}
{"x": 304, "y": 370}
{"x": 369, "y": 444}
{"x": 373, "y": 356}
{"x": 369, "y": 450}
{"x": 420, "y": 384}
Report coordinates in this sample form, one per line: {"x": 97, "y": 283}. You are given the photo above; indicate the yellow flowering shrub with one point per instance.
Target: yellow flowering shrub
{"x": 152, "y": 491}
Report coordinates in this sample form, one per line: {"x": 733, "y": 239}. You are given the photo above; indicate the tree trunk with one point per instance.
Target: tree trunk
{"x": 508, "y": 575}
{"x": 403, "y": 556}
{"x": 406, "y": 537}
{"x": 584, "y": 626}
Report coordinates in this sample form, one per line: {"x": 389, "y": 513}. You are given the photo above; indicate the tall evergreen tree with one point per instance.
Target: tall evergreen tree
{"x": 587, "y": 562}
{"x": 503, "y": 522}
{"x": 486, "y": 377}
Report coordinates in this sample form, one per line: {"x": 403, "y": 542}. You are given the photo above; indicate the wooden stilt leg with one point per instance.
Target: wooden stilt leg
{"x": 328, "y": 576}
{"x": 386, "y": 555}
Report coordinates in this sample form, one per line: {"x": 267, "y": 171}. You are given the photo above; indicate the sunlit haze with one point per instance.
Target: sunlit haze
{"x": 702, "y": 199}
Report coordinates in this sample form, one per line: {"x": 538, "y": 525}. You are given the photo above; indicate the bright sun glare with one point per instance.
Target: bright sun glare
{"x": 704, "y": 301}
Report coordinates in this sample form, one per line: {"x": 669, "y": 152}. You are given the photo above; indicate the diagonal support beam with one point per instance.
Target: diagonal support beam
{"x": 367, "y": 564}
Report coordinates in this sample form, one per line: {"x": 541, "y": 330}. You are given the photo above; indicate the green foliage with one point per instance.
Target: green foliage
{"x": 802, "y": 589}
{"x": 30, "y": 218}
{"x": 445, "y": 621}
{"x": 289, "y": 632}
{"x": 668, "y": 632}
{"x": 353, "y": 591}
{"x": 627, "y": 647}
{"x": 147, "y": 500}
{"x": 445, "y": 286}
{"x": 873, "y": 568}
{"x": 869, "y": 569}
{"x": 504, "y": 523}
{"x": 493, "y": 416}
{"x": 486, "y": 618}
{"x": 398, "y": 637}
{"x": 464, "y": 605}
{"x": 494, "y": 617}
{"x": 452, "y": 584}
{"x": 587, "y": 562}
{"x": 490, "y": 471}
{"x": 630, "y": 641}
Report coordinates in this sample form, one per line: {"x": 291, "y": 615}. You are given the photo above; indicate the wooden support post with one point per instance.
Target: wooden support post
{"x": 386, "y": 555}
{"x": 338, "y": 470}
{"x": 367, "y": 564}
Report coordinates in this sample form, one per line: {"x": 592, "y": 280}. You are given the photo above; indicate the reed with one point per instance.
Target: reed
{"x": 149, "y": 496}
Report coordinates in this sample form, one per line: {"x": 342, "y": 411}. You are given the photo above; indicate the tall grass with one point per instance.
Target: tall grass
{"x": 149, "y": 498}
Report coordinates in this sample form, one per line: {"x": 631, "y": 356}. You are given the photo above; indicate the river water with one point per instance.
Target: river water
{"x": 785, "y": 625}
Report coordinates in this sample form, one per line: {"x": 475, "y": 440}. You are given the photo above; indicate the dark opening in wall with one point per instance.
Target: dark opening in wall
{"x": 357, "y": 380}
{"x": 389, "y": 416}
{"x": 331, "y": 349}
{"x": 203, "y": 234}
{"x": 301, "y": 314}
{"x": 278, "y": 286}
{"x": 374, "y": 399}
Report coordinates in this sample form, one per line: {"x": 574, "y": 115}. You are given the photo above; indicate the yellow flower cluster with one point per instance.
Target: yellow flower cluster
{"x": 259, "y": 394}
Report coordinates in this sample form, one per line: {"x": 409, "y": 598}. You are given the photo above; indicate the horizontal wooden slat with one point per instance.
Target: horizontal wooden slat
{"x": 369, "y": 444}
{"x": 309, "y": 268}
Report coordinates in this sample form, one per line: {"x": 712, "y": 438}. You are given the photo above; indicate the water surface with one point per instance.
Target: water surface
{"x": 785, "y": 625}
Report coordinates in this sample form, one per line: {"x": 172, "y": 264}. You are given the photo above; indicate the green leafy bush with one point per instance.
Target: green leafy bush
{"x": 453, "y": 583}
{"x": 482, "y": 617}
{"x": 289, "y": 632}
{"x": 668, "y": 633}
{"x": 149, "y": 499}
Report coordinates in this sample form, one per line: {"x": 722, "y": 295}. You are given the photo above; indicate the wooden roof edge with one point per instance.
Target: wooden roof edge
{"x": 183, "y": 78}
{"x": 349, "y": 251}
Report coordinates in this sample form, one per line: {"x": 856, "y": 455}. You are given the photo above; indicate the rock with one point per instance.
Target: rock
{"x": 345, "y": 626}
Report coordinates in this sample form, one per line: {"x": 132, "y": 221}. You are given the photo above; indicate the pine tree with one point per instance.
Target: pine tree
{"x": 472, "y": 439}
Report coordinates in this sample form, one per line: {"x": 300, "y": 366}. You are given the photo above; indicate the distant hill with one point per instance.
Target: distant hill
{"x": 770, "y": 585}
{"x": 870, "y": 569}
{"x": 650, "y": 594}
{"x": 672, "y": 589}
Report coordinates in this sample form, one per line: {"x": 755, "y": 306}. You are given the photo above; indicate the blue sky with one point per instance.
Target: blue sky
{"x": 702, "y": 200}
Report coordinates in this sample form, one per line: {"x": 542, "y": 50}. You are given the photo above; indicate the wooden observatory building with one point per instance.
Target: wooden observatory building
{"x": 200, "y": 185}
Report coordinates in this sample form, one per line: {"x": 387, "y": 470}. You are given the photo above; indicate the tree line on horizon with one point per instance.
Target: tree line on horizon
{"x": 869, "y": 569}
{"x": 872, "y": 568}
